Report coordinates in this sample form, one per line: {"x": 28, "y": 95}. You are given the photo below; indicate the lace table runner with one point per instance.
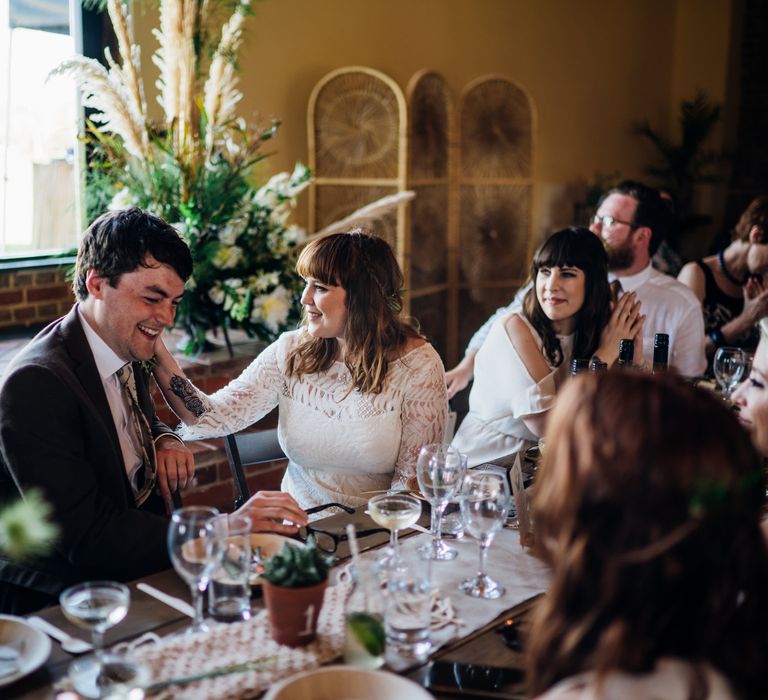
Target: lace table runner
{"x": 454, "y": 615}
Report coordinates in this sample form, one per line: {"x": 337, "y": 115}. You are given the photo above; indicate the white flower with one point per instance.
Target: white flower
{"x": 295, "y": 235}
{"x": 227, "y": 257}
{"x": 235, "y": 226}
{"x": 272, "y": 309}
{"x": 234, "y": 282}
{"x": 262, "y": 282}
{"x": 217, "y": 294}
{"x": 123, "y": 199}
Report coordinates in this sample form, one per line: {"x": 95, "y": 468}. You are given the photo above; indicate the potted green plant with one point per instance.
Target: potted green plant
{"x": 294, "y": 583}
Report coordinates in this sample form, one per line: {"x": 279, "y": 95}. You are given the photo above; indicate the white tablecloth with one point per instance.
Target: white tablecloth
{"x": 522, "y": 575}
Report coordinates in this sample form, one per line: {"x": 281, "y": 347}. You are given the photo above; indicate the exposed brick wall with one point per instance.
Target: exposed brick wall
{"x": 33, "y": 297}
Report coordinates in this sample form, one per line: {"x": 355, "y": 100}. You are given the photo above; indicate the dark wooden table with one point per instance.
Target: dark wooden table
{"x": 146, "y": 614}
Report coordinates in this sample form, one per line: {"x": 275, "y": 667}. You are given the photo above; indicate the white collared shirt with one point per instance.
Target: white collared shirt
{"x": 107, "y": 364}
{"x": 669, "y": 307}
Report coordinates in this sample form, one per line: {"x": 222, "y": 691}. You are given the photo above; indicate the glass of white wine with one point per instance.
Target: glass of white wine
{"x": 95, "y": 606}
{"x": 194, "y": 546}
{"x": 395, "y": 511}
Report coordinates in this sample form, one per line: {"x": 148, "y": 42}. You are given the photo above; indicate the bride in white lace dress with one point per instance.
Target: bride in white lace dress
{"x": 359, "y": 390}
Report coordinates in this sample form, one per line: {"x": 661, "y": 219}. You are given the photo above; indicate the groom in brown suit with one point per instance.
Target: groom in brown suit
{"x": 67, "y": 429}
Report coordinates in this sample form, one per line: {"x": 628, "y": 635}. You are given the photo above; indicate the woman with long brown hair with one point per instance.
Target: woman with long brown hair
{"x": 359, "y": 389}
{"x": 527, "y": 353}
{"x": 647, "y": 508}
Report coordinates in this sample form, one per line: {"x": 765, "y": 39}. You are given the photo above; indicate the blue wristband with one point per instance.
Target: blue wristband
{"x": 717, "y": 337}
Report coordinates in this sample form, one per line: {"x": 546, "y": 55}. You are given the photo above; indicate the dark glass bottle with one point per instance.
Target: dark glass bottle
{"x": 578, "y": 365}
{"x": 626, "y": 352}
{"x": 660, "y": 353}
{"x": 597, "y": 366}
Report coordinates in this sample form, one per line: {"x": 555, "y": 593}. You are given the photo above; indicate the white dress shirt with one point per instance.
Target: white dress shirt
{"x": 107, "y": 364}
{"x": 669, "y": 307}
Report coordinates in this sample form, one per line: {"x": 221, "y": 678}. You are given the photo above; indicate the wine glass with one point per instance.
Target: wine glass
{"x": 193, "y": 545}
{"x": 96, "y": 606}
{"x": 728, "y": 367}
{"x": 484, "y": 506}
{"x": 439, "y": 470}
{"x": 395, "y": 511}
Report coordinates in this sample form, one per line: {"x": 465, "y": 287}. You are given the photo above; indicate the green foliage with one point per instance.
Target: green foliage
{"x": 685, "y": 162}
{"x": 369, "y": 630}
{"x": 297, "y": 567}
{"x": 25, "y": 529}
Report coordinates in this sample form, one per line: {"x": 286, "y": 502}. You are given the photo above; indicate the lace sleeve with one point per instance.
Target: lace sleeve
{"x": 423, "y": 414}
{"x": 242, "y": 402}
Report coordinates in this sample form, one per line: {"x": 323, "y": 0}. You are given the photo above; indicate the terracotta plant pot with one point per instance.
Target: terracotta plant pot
{"x": 293, "y": 612}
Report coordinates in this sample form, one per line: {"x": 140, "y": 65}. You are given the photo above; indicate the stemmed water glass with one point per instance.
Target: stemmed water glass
{"x": 484, "y": 507}
{"x": 728, "y": 367}
{"x": 439, "y": 470}
{"x": 194, "y": 547}
{"x": 395, "y": 511}
{"x": 97, "y": 606}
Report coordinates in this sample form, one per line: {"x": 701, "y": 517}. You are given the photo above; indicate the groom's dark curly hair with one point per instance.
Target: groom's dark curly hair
{"x": 120, "y": 241}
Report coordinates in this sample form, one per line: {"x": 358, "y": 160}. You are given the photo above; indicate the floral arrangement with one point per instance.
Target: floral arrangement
{"x": 196, "y": 168}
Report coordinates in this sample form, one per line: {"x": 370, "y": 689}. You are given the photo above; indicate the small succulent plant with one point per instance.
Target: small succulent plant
{"x": 297, "y": 567}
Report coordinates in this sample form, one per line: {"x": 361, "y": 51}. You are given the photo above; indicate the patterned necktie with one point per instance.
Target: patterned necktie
{"x": 143, "y": 433}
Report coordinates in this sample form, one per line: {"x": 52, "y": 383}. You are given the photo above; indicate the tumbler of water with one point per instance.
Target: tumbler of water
{"x": 409, "y": 606}
{"x": 728, "y": 367}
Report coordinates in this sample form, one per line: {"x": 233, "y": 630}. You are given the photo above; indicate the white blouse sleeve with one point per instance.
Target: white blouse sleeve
{"x": 242, "y": 402}
{"x": 423, "y": 412}
{"x": 536, "y": 397}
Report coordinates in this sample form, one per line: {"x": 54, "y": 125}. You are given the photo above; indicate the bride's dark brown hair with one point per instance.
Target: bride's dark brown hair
{"x": 376, "y": 331}
{"x": 647, "y": 508}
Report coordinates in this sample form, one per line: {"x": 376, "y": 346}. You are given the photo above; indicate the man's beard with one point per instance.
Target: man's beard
{"x": 622, "y": 257}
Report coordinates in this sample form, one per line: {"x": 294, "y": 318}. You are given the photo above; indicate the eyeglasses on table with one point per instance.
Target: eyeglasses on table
{"x": 325, "y": 539}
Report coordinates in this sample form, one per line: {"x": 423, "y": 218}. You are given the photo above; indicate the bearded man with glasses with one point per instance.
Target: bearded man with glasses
{"x": 631, "y": 220}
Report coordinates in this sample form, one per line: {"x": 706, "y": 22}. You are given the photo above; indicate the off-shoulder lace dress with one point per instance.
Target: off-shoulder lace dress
{"x": 340, "y": 443}
{"x": 503, "y": 394}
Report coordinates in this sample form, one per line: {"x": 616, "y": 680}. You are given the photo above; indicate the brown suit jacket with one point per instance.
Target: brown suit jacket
{"x": 57, "y": 435}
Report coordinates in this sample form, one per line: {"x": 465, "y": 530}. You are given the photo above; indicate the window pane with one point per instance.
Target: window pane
{"x": 38, "y": 142}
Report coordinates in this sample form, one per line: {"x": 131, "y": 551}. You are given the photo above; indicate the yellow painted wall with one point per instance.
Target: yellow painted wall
{"x": 592, "y": 67}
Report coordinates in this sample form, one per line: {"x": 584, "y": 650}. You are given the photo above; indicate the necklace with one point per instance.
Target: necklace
{"x": 726, "y": 271}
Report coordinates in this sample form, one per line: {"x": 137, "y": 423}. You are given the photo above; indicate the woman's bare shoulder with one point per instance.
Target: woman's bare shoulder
{"x": 518, "y": 329}
{"x": 409, "y": 345}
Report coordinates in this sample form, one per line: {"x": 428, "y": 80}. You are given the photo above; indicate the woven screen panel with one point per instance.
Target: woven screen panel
{"x": 429, "y": 128}
{"x": 496, "y": 131}
{"x": 431, "y": 311}
{"x": 429, "y": 223}
{"x": 356, "y": 128}
{"x": 494, "y": 233}
{"x": 477, "y": 305}
{"x": 334, "y": 202}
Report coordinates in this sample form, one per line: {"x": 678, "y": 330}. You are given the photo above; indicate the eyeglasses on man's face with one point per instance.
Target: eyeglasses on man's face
{"x": 325, "y": 539}
{"x": 609, "y": 221}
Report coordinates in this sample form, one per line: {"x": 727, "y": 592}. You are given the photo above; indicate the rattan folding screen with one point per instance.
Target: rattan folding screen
{"x": 466, "y": 241}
